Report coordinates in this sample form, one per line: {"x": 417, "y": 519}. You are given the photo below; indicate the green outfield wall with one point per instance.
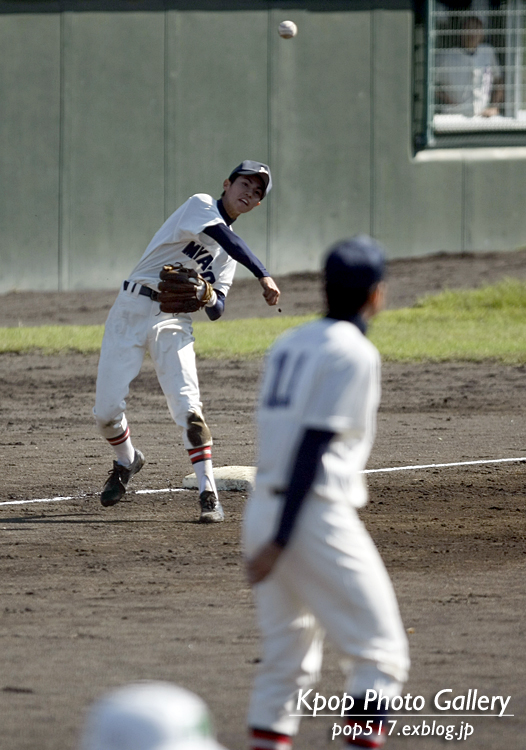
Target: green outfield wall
{"x": 112, "y": 114}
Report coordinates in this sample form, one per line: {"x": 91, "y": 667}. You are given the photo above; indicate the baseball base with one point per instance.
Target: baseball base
{"x": 228, "y": 478}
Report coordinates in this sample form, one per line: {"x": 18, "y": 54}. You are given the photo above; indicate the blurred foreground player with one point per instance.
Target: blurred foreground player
{"x": 149, "y": 716}
{"x": 314, "y": 568}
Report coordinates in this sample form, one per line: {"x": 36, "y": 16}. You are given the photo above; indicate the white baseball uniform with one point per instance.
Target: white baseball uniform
{"x": 330, "y": 578}
{"x": 136, "y": 325}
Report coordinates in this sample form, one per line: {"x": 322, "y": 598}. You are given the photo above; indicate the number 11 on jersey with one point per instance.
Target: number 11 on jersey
{"x": 283, "y": 380}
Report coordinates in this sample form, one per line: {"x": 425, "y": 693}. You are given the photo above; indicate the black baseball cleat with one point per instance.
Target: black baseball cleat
{"x": 115, "y": 487}
{"x": 211, "y": 510}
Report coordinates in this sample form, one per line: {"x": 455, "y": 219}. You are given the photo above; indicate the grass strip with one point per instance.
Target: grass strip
{"x": 488, "y": 323}
{"x": 51, "y": 339}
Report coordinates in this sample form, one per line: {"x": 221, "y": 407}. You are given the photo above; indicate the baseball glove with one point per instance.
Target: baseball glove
{"x": 183, "y": 290}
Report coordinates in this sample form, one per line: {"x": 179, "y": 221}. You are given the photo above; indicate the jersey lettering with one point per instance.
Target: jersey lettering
{"x": 284, "y": 380}
{"x": 201, "y": 257}
{"x": 192, "y": 249}
{"x": 203, "y": 260}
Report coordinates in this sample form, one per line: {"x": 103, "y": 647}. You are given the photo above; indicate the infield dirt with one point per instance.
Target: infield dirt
{"x": 92, "y": 598}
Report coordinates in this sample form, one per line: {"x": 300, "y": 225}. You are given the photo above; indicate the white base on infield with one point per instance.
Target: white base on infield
{"x": 227, "y": 478}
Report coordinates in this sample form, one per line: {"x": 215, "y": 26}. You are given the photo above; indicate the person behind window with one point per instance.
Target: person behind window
{"x": 468, "y": 76}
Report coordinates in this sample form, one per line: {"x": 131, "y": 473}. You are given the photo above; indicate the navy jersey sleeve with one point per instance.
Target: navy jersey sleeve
{"x": 236, "y": 248}
{"x": 215, "y": 311}
{"x": 312, "y": 448}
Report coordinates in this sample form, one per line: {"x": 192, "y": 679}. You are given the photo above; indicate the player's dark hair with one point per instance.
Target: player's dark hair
{"x": 232, "y": 178}
{"x": 343, "y": 302}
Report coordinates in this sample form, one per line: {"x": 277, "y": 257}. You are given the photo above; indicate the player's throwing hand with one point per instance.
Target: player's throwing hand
{"x": 271, "y": 291}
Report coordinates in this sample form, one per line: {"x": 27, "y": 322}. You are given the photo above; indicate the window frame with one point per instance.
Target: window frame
{"x": 475, "y": 134}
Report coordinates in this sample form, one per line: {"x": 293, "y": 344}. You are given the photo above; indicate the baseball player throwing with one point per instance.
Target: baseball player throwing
{"x": 314, "y": 567}
{"x": 197, "y": 238}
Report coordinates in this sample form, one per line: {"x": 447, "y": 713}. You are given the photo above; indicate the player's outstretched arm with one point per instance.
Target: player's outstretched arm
{"x": 236, "y": 248}
{"x": 240, "y": 252}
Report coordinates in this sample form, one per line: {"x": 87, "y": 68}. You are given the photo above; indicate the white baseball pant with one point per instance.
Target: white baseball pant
{"x": 330, "y": 580}
{"x": 136, "y": 325}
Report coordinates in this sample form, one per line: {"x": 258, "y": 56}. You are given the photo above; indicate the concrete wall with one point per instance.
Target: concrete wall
{"x": 30, "y": 149}
{"x": 111, "y": 119}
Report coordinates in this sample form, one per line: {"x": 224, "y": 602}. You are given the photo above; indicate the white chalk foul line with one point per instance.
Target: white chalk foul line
{"x": 443, "y": 466}
{"x": 78, "y": 497}
{"x": 153, "y": 492}
{"x": 365, "y": 471}
{"x": 41, "y": 500}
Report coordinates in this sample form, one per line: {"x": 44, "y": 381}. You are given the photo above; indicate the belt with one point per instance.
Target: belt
{"x": 144, "y": 290}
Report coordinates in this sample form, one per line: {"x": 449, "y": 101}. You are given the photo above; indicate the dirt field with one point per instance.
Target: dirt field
{"x": 92, "y": 598}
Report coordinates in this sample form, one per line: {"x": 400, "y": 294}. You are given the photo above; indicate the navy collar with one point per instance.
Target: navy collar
{"x": 356, "y": 320}
{"x": 228, "y": 219}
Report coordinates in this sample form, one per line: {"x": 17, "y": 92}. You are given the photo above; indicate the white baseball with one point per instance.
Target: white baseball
{"x": 287, "y": 29}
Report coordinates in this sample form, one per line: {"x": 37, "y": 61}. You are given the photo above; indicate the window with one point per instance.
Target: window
{"x": 470, "y": 74}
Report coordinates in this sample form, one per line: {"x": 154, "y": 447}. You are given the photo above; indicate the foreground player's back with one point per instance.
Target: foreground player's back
{"x": 323, "y": 375}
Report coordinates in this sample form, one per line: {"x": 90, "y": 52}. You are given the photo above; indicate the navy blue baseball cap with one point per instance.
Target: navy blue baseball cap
{"x": 355, "y": 263}
{"x": 257, "y": 168}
